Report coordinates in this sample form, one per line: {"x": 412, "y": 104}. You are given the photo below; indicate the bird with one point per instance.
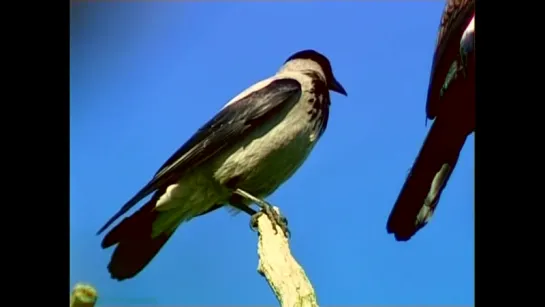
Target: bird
{"x": 255, "y": 143}
{"x": 451, "y": 105}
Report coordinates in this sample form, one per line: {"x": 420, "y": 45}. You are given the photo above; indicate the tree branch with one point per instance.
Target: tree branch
{"x": 83, "y": 295}
{"x": 285, "y": 276}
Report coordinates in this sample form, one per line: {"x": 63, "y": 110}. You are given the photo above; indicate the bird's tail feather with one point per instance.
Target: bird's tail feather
{"x": 428, "y": 177}
{"x": 136, "y": 246}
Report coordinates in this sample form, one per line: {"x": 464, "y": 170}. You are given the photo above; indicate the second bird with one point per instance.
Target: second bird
{"x": 255, "y": 143}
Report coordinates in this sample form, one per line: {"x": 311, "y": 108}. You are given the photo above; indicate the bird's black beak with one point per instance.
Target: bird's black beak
{"x": 337, "y": 87}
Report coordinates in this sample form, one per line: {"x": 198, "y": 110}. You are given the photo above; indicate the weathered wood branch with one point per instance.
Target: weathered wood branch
{"x": 83, "y": 295}
{"x": 285, "y": 276}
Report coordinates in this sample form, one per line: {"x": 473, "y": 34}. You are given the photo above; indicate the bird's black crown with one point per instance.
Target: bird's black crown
{"x": 311, "y": 55}
{"x": 315, "y": 56}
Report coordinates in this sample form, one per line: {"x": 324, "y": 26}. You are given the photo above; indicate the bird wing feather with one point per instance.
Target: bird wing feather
{"x": 233, "y": 122}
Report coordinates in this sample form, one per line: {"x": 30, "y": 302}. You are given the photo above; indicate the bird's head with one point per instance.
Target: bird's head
{"x": 313, "y": 60}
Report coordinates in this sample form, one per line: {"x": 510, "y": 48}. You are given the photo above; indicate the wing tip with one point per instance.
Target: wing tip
{"x": 108, "y": 224}
{"x": 402, "y": 238}
{"x": 401, "y": 230}
{"x": 101, "y": 230}
{"x": 402, "y": 235}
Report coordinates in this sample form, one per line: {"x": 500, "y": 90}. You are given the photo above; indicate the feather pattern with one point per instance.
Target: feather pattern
{"x": 230, "y": 124}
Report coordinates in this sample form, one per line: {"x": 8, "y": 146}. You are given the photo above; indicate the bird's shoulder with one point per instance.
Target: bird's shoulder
{"x": 307, "y": 79}
{"x": 303, "y": 80}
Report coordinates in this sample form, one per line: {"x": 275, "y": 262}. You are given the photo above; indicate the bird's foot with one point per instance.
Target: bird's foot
{"x": 267, "y": 209}
{"x": 277, "y": 220}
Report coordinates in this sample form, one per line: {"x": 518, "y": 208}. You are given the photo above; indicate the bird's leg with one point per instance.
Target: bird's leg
{"x": 244, "y": 208}
{"x": 268, "y": 210}
{"x": 237, "y": 202}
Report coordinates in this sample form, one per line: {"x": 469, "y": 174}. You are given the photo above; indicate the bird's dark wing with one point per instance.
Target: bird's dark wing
{"x": 428, "y": 177}
{"x": 456, "y": 16}
{"x": 232, "y": 123}
{"x": 436, "y": 160}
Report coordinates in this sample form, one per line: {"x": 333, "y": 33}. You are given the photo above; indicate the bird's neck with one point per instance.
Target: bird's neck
{"x": 302, "y": 65}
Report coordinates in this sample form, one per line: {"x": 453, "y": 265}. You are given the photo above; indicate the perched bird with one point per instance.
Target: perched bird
{"x": 451, "y": 104}
{"x": 254, "y": 144}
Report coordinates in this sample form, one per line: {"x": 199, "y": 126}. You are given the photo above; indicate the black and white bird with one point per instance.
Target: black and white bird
{"x": 255, "y": 143}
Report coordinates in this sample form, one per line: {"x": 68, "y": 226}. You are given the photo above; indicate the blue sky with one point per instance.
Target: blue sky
{"x": 145, "y": 75}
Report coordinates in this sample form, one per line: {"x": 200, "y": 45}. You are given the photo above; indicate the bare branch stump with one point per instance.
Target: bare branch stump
{"x": 83, "y": 295}
{"x": 285, "y": 276}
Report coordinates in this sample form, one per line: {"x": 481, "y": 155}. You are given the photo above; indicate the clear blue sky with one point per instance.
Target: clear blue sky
{"x": 144, "y": 76}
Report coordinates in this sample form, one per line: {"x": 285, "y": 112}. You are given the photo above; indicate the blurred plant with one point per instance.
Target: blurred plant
{"x": 83, "y": 295}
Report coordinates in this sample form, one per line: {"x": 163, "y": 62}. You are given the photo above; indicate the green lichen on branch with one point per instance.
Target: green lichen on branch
{"x": 83, "y": 295}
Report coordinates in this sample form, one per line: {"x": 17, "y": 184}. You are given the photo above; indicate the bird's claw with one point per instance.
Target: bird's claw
{"x": 275, "y": 218}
